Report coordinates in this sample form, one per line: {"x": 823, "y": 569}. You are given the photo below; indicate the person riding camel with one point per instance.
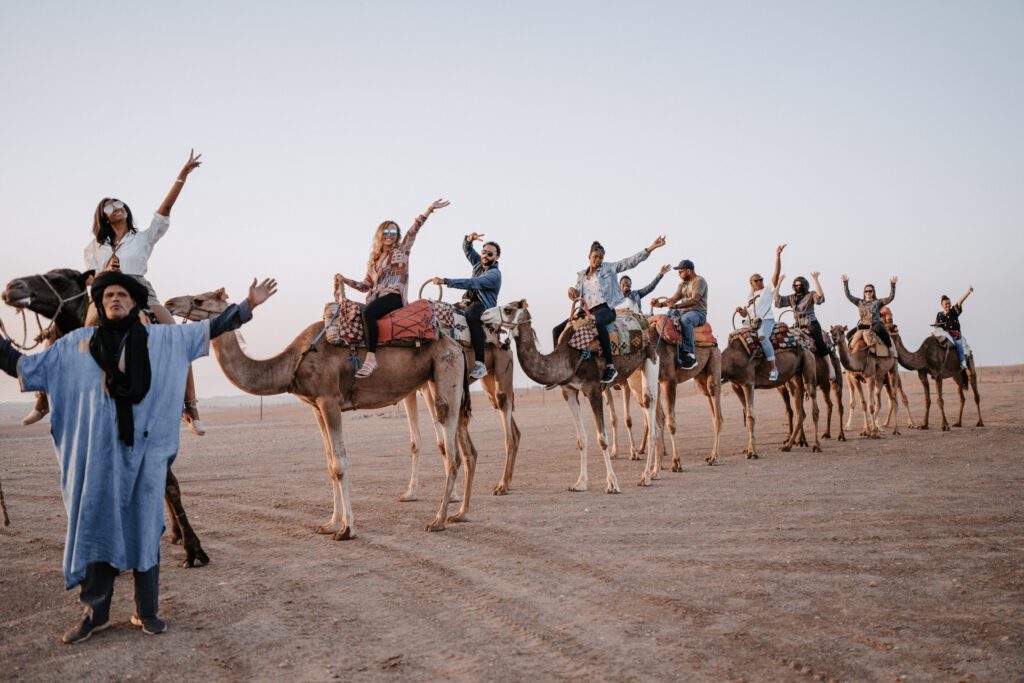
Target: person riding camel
{"x": 597, "y": 287}
{"x": 481, "y": 292}
{"x": 759, "y": 307}
{"x": 869, "y": 308}
{"x": 802, "y": 302}
{"x": 387, "y": 278}
{"x": 634, "y": 297}
{"x": 689, "y": 305}
{"x": 948, "y": 321}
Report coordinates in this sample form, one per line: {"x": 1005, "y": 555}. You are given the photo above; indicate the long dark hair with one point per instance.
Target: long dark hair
{"x": 102, "y": 230}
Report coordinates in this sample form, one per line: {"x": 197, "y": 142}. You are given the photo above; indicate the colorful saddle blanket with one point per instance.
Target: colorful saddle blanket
{"x": 783, "y": 339}
{"x": 419, "y": 321}
{"x": 867, "y": 339}
{"x": 627, "y": 333}
{"x": 671, "y": 332}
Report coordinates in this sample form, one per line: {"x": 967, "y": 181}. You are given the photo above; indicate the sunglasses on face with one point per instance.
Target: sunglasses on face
{"x": 492, "y": 254}
{"x": 757, "y": 279}
{"x": 869, "y": 291}
{"x": 390, "y": 232}
{"x": 112, "y": 207}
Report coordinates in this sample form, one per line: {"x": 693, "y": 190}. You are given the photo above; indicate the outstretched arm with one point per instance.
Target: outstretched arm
{"x": 236, "y": 315}
{"x": 467, "y": 247}
{"x": 846, "y": 288}
{"x": 410, "y": 235}
{"x": 644, "y": 291}
{"x": 778, "y": 265}
{"x": 192, "y": 164}
{"x": 817, "y": 286}
{"x": 960, "y": 304}
{"x": 892, "y": 292}
{"x": 9, "y": 357}
{"x": 777, "y": 298}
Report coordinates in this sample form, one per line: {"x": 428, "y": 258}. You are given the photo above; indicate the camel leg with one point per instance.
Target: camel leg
{"x": 634, "y": 450}
{"x": 648, "y": 399}
{"x": 810, "y": 382}
{"x": 748, "y": 409}
{"x": 942, "y": 404}
{"x": 597, "y": 407}
{"x": 890, "y": 392}
{"x": 837, "y": 387}
{"x": 448, "y": 399}
{"x": 828, "y": 410}
{"x": 712, "y": 388}
{"x": 610, "y": 400}
{"x": 798, "y": 399}
{"x": 412, "y": 416}
{"x": 670, "y": 423}
{"x": 784, "y": 392}
{"x": 875, "y": 388}
{"x": 469, "y": 454}
{"x": 974, "y": 390}
{"x": 333, "y": 524}
{"x": 659, "y": 421}
{"x": 500, "y": 399}
{"x": 573, "y": 399}
{"x": 194, "y": 554}
{"x": 906, "y": 404}
{"x": 854, "y": 390}
{"x": 893, "y": 396}
{"x": 330, "y": 413}
{"x": 963, "y": 399}
{"x": 859, "y": 392}
{"x": 429, "y": 391}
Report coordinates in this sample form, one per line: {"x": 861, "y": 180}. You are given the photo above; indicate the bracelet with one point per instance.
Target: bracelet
{"x": 180, "y": 180}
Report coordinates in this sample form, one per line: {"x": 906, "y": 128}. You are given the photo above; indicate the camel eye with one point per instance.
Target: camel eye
{"x": 199, "y": 302}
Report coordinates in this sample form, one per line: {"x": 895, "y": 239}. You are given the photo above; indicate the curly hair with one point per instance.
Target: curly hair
{"x": 377, "y": 247}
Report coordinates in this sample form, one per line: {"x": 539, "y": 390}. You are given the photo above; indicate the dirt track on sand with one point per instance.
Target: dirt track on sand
{"x": 872, "y": 560}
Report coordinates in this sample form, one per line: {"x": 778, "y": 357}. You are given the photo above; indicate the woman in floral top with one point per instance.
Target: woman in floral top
{"x": 387, "y": 278}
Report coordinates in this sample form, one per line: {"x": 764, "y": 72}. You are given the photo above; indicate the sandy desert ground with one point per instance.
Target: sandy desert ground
{"x": 901, "y": 558}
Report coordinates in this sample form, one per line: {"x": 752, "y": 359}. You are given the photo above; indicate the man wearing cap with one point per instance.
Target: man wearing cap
{"x": 115, "y": 393}
{"x": 690, "y": 305}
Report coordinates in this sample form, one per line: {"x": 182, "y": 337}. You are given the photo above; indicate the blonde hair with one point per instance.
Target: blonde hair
{"x": 377, "y": 247}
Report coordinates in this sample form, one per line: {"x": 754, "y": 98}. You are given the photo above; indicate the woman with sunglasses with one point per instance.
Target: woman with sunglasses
{"x": 387, "y": 278}
{"x": 759, "y": 307}
{"x": 870, "y": 309}
{"x": 118, "y": 245}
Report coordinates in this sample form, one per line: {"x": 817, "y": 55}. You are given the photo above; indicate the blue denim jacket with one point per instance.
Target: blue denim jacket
{"x": 486, "y": 283}
{"x": 606, "y": 277}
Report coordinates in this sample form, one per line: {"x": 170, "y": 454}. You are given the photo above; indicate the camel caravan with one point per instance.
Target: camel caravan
{"x": 386, "y": 350}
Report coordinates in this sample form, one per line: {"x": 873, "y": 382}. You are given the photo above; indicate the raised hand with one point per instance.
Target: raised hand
{"x": 893, "y": 279}
{"x": 778, "y": 249}
{"x": 474, "y": 237}
{"x": 664, "y": 269}
{"x": 261, "y": 292}
{"x": 846, "y": 278}
{"x": 815, "y": 274}
{"x": 782, "y": 278}
{"x": 659, "y": 242}
{"x": 192, "y": 164}
{"x": 438, "y": 204}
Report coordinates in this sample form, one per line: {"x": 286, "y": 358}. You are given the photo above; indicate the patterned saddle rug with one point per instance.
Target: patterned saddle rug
{"x": 627, "y": 333}
{"x": 867, "y": 339}
{"x": 783, "y": 339}
{"x": 410, "y": 325}
{"x": 668, "y": 327}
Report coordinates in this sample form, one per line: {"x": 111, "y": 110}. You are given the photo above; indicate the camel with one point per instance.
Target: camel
{"x": 825, "y": 385}
{"x": 323, "y": 377}
{"x": 497, "y": 384}
{"x": 875, "y": 371}
{"x": 891, "y": 395}
{"x": 566, "y": 367}
{"x": 940, "y": 362}
{"x": 747, "y": 372}
{"x": 60, "y": 296}
{"x": 707, "y": 375}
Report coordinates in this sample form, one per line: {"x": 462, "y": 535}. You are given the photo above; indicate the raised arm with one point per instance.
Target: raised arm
{"x": 644, "y": 291}
{"x": 637, "y": 258}
{"x": 817, "y": 287}
{"x": 410, "y": 234}
{"x": 846, "y": 288}
{"x": 777, "y": 298}
{"x": 960, "y": 303}
{"x": 467, "y": 247}
{"x": 236, "y": 315}
{"x": 892, "y": 292}
{"x": 192, "y": 164}
{"x": 778, "y": 265}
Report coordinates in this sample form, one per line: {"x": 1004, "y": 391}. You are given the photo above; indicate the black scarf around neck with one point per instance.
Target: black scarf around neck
{"x": 111, "y": 338}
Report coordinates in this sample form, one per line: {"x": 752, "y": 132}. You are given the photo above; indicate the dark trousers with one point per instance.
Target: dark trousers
{"x": 604, "y": 317}
{"x": 98, "y": 589}
{"x": 374, "y": 311}
{"x": 820, "y": 348}
{"x": 476, "y": 328}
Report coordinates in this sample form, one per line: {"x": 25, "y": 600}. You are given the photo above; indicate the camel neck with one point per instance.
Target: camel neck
{"x": 554, "y": 368}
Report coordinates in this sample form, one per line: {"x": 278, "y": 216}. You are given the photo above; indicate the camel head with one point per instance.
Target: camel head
{"x": 200, "y": 306}
{"x": 838, "y": 333}
{"x": 510, "y": 316}
{"x": 43, "y": 294}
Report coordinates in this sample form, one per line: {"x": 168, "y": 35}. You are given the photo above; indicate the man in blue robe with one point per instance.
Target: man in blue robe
{"x": 115, "y": 395}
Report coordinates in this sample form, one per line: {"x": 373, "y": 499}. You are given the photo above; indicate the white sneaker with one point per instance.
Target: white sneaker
{"x": 773, "y": 375}
{"x": 479, "y": 370}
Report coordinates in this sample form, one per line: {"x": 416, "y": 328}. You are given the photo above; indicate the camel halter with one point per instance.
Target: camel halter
{"x": 43, "y": 333}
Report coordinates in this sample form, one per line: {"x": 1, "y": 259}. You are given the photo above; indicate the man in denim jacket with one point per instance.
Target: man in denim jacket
{"x": 598, "y": 288}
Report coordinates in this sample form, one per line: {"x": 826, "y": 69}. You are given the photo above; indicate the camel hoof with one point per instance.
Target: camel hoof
{"x": 786, "y": 448}
{"x": 175, "y": 539}
{"x": 436, "y": 525}
{"x": 816, "y": 449}
{"x": 895, "y": 432}
{"x": 644, "y": 481}
{"x": 946, "y": 429}
{"x": 407, "y": 498}
{"x": 197, "y": 558}
{"x": 923, "y": 427}
{"x": 324, "y": 530}
{"x": 711, "y": 460}
{"x": 826, "y": 436}
{"x": 613, "y": 489}
{"x": 842, "y": 437}
{"x": 958, "y": 425}
{"x": 980, "y": 424}
{"x": 636, "y": 456}
{"x": 457, "y": 517}
{"x": 500, "y": 490}
{"x": 577, "y": 488}
{"x": 343, "y": 534}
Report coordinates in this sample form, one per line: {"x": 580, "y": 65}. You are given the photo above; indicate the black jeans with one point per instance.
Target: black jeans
{"x": 98, "y": 589}
{"x": 820, "y": 348}
{"x": 604, "y": 317}
{"x": 476, "y": 328}
{"x": 374, "y": 311}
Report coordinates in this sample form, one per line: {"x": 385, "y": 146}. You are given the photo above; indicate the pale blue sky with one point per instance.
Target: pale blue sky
{"x": 876, "y": 138}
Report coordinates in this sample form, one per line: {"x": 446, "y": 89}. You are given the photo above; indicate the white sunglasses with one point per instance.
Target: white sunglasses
{"x": 113, "y": 206}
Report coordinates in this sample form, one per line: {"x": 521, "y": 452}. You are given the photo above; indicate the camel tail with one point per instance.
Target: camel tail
{"x": 466, "y": 411}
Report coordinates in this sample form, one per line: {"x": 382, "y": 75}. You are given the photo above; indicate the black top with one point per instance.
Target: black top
{"x": 950, "y": 322}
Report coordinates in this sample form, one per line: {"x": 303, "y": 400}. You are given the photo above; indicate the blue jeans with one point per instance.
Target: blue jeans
{"x": 767, "y": 327}
{"x": 688, "y": 321}
{"x": 960, "y": 351}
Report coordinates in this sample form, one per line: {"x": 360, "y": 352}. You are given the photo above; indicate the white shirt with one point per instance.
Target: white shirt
{"x": 761, "y": 303}
{"x": 133, "y": 251}
{"x": 591, "y": 293}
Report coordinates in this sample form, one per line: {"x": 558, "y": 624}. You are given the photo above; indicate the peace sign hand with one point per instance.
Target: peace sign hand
{"x": 192, "y": 164}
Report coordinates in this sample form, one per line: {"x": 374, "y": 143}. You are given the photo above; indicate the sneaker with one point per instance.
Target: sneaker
{"x": 479, "y": 370}
{"x": 963, "y": 366}
{"x": 150, "y": 625}
{"x": 83, "y": 631}
{"x": 610, "y": 373}
{"x": 773, "y": 375}
{"x": 689, "y": 361}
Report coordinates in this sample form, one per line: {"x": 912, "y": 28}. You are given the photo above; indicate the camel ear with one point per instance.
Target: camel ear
{"x": 221, "y": 294}
{"x": 524, "y": 304}
{"x": 83, "y": 279}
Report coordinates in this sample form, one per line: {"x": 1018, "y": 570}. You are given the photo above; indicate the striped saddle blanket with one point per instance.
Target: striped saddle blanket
{"x": 410, "y": 325}
{"x": 783, "y": 339}
{"x": 627, "y": 333}
{"x": 671, "y": 333}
